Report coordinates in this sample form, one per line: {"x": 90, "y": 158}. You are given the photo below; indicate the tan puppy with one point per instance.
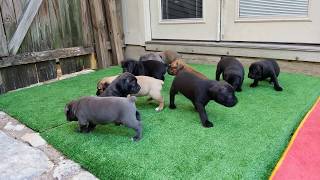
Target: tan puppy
{"x": 178, "y": 65}
{"x": 104, "y": 83}
{"x": 149, "y": 87}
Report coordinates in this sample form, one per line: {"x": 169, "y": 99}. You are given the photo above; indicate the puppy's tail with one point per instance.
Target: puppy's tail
{"x": 132, "y": 98}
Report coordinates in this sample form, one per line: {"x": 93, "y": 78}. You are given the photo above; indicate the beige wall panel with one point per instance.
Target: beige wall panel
{"x": 286, "y": 30}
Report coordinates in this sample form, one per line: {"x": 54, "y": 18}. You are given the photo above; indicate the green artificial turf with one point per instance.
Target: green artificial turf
{"x": 245, "y": 142}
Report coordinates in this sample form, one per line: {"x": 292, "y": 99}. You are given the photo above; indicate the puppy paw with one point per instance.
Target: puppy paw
{"x": 158, "y": 109}
{"x": 278, "y": 88}
{"x": 135, "y": 139}
{"x": 172, "y": 106}
{"x": 208, "y": 124}
{"x": 253, "y": 85}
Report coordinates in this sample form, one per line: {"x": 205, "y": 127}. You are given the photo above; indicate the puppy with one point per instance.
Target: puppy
{"x": 150, "y": 68}
{"x": 232, "y": 72}
{"x": 168, "y": 56}
{"x": 90, "y": 111}
{"x": 104, "y": 83}
{"x": 149, "y": 87}
{"x": 178, "y": 66}
{"x": 122, "y": 86}
{"x": 262, "y": 70}
{"x": 200, "y": 92}
{"x": 151, "y": 56}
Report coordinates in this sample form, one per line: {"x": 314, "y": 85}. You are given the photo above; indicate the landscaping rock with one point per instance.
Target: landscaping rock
{"x": 65, "y": 169}
{"x": 20, "y": 161}
{"x": 84, "y": 176}
{"x": 11, "y": 127}
{"x": 34, "y": 139}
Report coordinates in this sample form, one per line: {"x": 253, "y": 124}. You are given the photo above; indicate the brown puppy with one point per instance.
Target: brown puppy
{"x": 149, "y": 87}
{"x": 178, "y": 65}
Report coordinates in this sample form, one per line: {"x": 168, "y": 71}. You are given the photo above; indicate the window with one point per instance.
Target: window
{"x": 273, "y": 8}
{"x": 181, "y": 9}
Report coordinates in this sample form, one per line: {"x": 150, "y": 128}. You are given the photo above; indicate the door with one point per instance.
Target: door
{"x": 185, "y": 19}
{"x": 288, "y": 21}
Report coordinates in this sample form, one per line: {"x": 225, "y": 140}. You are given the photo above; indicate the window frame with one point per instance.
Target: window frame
{"x": 239, "y": 19}
{"x": 183, "y": 20}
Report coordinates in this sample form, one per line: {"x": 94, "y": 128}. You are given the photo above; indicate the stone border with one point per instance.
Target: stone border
{"x": 61, "y": 167}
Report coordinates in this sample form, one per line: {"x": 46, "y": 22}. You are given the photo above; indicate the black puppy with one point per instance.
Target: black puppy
{"x": 200, "y": 92}
{"x": 122, "y": 86}
{"x": 150, "y": 68}
{"x": 232, "y": 71}
{"x": 262, "y": 70}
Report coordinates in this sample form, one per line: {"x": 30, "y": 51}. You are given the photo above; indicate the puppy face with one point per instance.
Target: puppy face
{"x": 223, "y": 93}
{"x": 255, "y": 71}
{"x": 101, "y": 87}
{"x": 127, "y": 66}
{"x": 175, "y": 67}
{"x": 128, "y": 84}
{"x": 69, "y": 111}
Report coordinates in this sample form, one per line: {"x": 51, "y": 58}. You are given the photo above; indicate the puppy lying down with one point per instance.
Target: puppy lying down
{"x": 149, "y": 87}
{"x": 90, "y": 111}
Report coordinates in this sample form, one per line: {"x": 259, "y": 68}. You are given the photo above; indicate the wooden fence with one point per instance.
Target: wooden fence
{"x": 40, "y": 37}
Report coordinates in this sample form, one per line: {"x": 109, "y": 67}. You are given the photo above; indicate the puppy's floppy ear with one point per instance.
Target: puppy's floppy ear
{"x": 180, "y": 66}
{"x": 104, "y": 86}
{"x": 69, "y": 111}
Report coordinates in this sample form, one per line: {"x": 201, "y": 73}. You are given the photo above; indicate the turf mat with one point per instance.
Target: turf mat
{"x": 245, "y": 142}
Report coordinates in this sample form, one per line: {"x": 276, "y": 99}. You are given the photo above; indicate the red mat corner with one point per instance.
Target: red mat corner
{"x": 301, "y": 159}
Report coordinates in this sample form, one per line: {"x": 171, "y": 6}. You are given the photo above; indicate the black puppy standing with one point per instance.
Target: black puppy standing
{"x": 200, "y": 92}
{"x": 232, "y": 71}
{"x": 122, "y": 86}
{"x": 262, "y": 70}
{"x": 152, "y": 68}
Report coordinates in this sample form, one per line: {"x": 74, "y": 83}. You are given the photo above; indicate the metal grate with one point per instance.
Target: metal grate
{"x": 273, "y": 8}
{"x": 181, "y": 9}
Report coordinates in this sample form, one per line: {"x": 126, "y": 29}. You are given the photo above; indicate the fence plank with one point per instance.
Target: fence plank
{"x": 65, "y": 23}
{"x": 23, "y": 26}
{"x": 34, "y": 57}
{"x": 86, "y": 24}
{"x": 8, "y": 17}
{"x": 3, "y": 40}
{"x": 44, "y": 27}
{"x": 19, "y": 8}
{"x": 18, "y": 77}
{"x": 114, "y": 32}
{"x": 100, "y": 33}
{"x": 56, "y": 29}
{"x": 72, "y": 65}
{"x": 75, "y": 22}
{"x": 46, "y": 70}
